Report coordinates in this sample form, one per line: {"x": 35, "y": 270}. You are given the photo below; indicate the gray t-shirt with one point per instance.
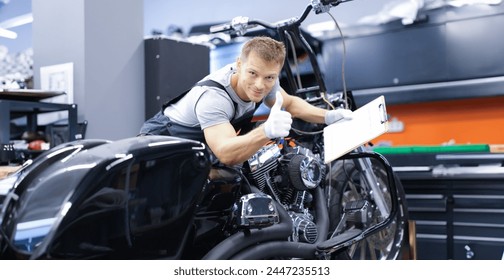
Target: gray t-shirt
{"x": 208, "y": 106}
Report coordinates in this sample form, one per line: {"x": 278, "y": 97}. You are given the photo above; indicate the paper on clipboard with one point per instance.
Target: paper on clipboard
{"x": 367, "y": 123}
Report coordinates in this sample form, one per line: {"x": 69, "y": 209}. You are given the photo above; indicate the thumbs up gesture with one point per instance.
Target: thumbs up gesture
{"x": 279, "y": 122}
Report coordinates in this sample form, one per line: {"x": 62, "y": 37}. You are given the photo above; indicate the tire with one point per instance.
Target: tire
{"x": 344, "y": 185}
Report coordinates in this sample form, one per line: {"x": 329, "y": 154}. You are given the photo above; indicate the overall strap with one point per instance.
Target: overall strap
{"x": 242, "y": 124}
{"x": 210, "y": 83}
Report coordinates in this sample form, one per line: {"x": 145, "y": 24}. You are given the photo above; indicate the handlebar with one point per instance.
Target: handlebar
{"x": 289, "y": 32}
{"x": 240, "y": 25}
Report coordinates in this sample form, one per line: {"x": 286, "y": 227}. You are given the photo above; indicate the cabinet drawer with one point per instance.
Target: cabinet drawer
{"x": 478, "y": 215}
{"x": 426, "y": 202}
{"x": 431, "y": 228}
{"x": 478, "y": 248}
{"x": 479, "y": 230}
{"x": 431, "y": 247}
{"x": 478, "y": 201}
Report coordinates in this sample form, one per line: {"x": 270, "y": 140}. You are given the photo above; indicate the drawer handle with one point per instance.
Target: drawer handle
{"x": 469, "y": 252}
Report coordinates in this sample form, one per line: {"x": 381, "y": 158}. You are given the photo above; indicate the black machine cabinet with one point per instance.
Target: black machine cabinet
{"x": 171, "y": 67}
{"x": 457, "y": 203}
{"x": 448, "y": 53}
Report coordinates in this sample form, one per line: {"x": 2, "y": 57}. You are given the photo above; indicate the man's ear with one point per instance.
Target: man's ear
{"x": 238, "y": 63}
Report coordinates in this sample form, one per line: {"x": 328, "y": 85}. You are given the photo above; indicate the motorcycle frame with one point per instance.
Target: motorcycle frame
{"x": 289, "y": 32}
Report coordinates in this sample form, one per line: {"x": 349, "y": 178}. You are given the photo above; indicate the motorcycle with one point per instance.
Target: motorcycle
{"x": 162, "y": 197}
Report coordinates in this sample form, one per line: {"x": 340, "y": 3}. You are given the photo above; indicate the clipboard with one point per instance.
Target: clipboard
{"x": 367, "y": 123}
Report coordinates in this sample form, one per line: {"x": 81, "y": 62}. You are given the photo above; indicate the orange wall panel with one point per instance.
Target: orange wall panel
{"x": 467, "y": 121}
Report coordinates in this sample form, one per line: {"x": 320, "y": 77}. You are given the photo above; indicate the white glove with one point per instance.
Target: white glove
{"x": 333, "y": 116}
{"x": 279, "y": 122}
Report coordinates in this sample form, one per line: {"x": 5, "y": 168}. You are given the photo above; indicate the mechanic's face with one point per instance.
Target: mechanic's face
{"x": 255, "y": 77}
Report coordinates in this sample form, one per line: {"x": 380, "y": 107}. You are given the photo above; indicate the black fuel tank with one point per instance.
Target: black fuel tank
{"x": 132, "y": 198}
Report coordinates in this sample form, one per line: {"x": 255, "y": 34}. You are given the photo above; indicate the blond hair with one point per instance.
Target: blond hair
{"x": 268, "y": 49}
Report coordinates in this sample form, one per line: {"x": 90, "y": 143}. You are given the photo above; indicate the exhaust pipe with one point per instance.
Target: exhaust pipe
{"x": 281, "y": 249}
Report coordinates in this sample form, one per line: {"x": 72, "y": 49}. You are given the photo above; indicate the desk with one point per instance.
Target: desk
{"x": 11, "y": 109}
{"x": 7, "y": 170}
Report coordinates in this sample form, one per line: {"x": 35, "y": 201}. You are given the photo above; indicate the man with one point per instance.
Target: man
{"x": 214, "y": 115}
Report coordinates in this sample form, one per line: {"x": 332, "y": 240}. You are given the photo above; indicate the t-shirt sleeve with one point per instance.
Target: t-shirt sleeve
{"x": 213, "y": 108}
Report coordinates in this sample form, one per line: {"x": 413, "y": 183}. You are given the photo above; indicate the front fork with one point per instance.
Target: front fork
{"x": 364, "y": 164}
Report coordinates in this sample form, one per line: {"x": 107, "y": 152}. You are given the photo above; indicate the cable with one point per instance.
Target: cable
{"x": 323, "y": 94}
{"x": 294, "y": 54}
{"x": 301, "y": 132}
{"x": 343, "y": 60}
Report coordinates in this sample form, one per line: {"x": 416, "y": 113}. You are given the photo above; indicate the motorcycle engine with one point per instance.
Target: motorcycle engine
{"x": 288, "y": 175}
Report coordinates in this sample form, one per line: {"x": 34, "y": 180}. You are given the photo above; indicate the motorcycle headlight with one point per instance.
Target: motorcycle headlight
{"x": 304, "y": 172}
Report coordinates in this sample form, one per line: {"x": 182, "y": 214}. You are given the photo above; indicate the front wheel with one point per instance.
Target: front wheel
{"x": 346, "y": 182}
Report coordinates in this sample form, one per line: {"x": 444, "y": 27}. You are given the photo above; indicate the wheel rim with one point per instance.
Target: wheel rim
{"x": 345, "y": 181}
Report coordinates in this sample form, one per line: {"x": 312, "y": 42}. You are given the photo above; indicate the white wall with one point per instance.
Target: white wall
{"x": 106, "y": 49}
{"x": 159, "y": 14}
